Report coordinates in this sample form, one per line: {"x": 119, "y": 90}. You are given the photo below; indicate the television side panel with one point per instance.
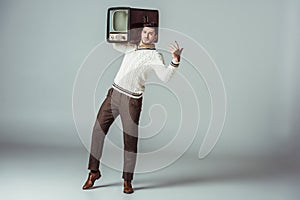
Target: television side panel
{"x": 139, "y": 17}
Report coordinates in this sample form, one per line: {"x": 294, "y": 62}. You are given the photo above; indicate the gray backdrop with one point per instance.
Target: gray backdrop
{"x": 255, "y": 44}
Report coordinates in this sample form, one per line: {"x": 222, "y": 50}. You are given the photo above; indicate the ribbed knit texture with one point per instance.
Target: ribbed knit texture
{"x": 137, "y": 65}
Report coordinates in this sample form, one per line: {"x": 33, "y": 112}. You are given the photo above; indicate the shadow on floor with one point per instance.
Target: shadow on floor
{"x": 106, "y": 185}
{"x": 253, "y": 172}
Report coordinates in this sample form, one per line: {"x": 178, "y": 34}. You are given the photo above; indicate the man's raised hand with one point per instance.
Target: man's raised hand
{"x": 176, "y": 51}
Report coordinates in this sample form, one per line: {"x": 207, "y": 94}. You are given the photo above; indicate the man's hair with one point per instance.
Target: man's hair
{"x": 136, "y": 32}
{"x": 152, "y": 25}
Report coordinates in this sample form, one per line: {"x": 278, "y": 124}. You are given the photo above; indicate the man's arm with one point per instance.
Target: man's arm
{"x": 124, "y": 47}
{"x": 165, "y": 73}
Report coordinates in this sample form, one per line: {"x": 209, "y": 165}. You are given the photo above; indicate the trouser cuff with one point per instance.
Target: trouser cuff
{"x": 94, "y": 164}
{"x": 127, "y": 176}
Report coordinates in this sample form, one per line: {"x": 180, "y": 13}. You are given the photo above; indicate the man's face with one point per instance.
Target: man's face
{"x": 148, "y": 35}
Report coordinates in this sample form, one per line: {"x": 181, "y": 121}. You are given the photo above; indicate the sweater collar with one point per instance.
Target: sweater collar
{"x": 142, "y": 46}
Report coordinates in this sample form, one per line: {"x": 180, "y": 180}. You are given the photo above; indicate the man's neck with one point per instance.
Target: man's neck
{"x": 146, "y": 46}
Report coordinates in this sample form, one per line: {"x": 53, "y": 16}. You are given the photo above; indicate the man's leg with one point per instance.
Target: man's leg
{"x": 106, "y": 115}
{"x": 130, "y": 114}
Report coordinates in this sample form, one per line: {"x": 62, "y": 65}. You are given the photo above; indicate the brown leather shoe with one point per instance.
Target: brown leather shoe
{"x": 127, "y": 187}
{"x": 91, "y": 180}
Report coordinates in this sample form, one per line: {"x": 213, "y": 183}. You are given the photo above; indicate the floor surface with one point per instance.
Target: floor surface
{"x": 58, "y": 173}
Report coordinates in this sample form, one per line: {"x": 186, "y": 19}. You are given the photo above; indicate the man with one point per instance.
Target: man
{"x": 125, "y": 99}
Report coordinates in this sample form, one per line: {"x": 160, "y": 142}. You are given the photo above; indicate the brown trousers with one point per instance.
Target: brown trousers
{"x": 129, "y": 110}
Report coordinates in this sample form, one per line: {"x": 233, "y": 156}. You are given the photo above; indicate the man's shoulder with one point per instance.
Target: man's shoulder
{"x": 159, "y": 56}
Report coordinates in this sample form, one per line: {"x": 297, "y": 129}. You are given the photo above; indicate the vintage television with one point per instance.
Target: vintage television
{"x": 124, "y": 23}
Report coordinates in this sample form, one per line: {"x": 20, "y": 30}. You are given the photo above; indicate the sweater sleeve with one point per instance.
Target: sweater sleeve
{"x": 123, "y": 48}
{"x": 162, "y": 71}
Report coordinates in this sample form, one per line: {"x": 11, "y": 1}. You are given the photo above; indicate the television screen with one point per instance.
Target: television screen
{"x": 120, "y": 20}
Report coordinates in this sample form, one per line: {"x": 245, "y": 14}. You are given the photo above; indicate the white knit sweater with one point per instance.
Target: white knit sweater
{"x": 137, "y": 65}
